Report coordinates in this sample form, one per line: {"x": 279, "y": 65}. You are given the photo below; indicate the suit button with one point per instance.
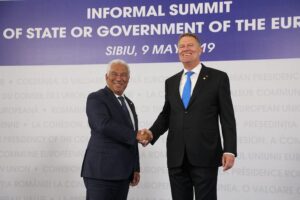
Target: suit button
{"x": 186, "y": 112}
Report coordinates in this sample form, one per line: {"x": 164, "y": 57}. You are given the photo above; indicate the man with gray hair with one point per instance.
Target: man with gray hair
{"x": 111, "y": 161}
{"x": 197, "y": 100}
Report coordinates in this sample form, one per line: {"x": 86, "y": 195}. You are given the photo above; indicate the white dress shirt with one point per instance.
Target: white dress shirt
{"x": 194, "y": 78}
{"x": 128, "y": 108}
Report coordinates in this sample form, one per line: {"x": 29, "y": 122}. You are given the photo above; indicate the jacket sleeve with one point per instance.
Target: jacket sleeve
{"x": 161, "y": 124}
{"x": 227, "y": 118}
{"x": 137, "y": 163}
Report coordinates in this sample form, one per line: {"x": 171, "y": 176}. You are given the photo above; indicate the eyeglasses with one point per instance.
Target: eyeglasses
{"x": 115, "y": 75}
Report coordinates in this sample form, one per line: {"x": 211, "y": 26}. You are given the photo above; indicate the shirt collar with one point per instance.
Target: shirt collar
{"x": 196, "y": 69}
{"x": 120, "y": 95}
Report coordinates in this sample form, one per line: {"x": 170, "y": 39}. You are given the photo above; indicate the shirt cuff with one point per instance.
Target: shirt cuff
{"x": 229, "y": 153}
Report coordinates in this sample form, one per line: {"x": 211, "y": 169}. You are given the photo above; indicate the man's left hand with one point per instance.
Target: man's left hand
{"x": 227, "y": 161}
{"x": 136, "y": 179}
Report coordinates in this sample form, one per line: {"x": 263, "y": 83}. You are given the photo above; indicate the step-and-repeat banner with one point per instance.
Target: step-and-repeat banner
{"x": 68, "y": 32}
{"x": 54, "y": 53}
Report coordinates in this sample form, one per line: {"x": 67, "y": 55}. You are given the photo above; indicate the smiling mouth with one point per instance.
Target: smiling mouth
{"x": 186, "y": 54}
{"x": 118, "y": 84}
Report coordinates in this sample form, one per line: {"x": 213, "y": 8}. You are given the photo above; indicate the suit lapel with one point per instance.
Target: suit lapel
{"x": 117, "y": 104}
{"x": 200, "y": 84}
{"x": 176, "y": 87}
{"x": 132, "y": 108}
{"x": 113, "y": 98}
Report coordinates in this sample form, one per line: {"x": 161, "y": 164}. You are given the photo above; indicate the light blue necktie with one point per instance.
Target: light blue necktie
{"x": 186, "y": 93}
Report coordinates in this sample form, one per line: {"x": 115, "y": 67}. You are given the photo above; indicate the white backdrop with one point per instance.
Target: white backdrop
{"x": 44, "y": 130}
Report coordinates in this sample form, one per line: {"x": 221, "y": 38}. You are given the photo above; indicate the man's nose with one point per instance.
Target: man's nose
{"x": 118, "y": 77}
{"x": 185, "y": 48}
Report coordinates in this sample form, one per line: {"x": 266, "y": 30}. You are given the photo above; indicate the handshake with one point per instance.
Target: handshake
{"x": 144, "y": 136}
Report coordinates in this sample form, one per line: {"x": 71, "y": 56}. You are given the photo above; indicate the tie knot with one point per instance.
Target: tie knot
{"x": 121, "y": 98}
{"x": 189, "y": 73}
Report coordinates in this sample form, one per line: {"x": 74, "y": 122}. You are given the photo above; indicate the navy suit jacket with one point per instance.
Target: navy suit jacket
{"x": 195, "y": 131}
{"x": 112, "y": 151}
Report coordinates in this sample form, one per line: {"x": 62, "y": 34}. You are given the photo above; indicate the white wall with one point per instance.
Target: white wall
{"x": 44, "y": 130}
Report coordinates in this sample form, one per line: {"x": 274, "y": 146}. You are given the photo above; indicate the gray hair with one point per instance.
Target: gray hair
{"x": 117, "y": 61}
{"x": 193, "y": 35}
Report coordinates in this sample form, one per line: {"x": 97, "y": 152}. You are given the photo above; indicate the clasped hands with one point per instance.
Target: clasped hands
{"x": 144, "y": 136}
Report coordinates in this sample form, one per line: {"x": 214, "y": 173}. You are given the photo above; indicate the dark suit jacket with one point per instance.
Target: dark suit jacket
{"x": 195, "y": 130}
{"x": 112, "y": 151}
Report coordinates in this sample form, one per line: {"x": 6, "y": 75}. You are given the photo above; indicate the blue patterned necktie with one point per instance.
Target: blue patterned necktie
{"x": 125, "y": 109}
{"x": 186, "y": 93}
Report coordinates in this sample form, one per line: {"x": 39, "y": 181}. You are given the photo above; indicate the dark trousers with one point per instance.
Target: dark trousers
{"x": 186, "y": 179}
{"x": 105, "y": 189}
